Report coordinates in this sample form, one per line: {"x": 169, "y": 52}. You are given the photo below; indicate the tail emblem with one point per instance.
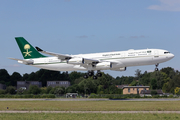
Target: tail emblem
{"x": 27, "y": 47}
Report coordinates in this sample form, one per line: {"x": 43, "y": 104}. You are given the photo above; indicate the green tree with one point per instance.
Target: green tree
{"x": 4, "y": 77}
{"x": 134, "y": 83}
{"x": 73, "y": 89}
{"x": 145, "y": 79}
{"x": 114, "y": 90}
{"x": 100, "y": 89}
{"x": 25, "y": 77}
{"x": 10, "y": 90}
{"x": 49, "y": 88}
{"x": 138, "y": 74}
{"x": 153, "y": 92}
{"x": 87, "y": 86}
{"x": 153, "y": 84}
{"x": 74, "y": 75}
{"x": 2, "y": 91}
{"x": 32, "y": 77}
{"x": 33, "y": 89}
{"x": 14, "y": 78}
{"x": 59, "y": 90}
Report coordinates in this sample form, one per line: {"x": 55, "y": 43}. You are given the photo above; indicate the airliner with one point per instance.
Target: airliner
{"x": 117, "y": 61}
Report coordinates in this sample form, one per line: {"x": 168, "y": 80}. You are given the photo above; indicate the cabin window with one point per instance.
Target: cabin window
{"x": 149, "y": 51}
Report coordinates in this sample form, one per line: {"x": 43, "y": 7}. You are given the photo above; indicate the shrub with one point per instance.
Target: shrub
{"x": 170, "y": 96}
{"x": 2, "y": 91}
{"x": 10, "y": 90}
{"x": 153, "y": 92}
{"x": 33, "y": 89}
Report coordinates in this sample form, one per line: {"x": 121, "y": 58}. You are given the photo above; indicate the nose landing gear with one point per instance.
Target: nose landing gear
{"x": 156, "y": 69}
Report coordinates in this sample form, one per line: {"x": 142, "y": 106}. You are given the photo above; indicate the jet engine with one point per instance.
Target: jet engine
{"x": 75, "y": 61}
{"x": 111, "y": 66}
{"x": 119, "y": 69}
{"x": 103, "y": 65}
{"x": 118, "y": 66}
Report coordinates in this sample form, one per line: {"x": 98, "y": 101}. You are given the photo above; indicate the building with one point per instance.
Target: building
{"x": 148, "y": 93}
{"x": 2, "y": 86}
{"x": 134, "y": 89}
{"x": 58, "y": 83}
{"x": 25, "y": 84}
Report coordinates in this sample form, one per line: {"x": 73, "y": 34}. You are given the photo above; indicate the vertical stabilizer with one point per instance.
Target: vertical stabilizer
{"x": 27, "y": 50}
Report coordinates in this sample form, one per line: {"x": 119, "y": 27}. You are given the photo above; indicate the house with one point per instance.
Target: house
{"x": 133, "y": 89}
{"x": 25, "y": 84}
{"x": 2, "y": 86}
{"x": 148, "y": 93}
{"x": 58, "y": 83}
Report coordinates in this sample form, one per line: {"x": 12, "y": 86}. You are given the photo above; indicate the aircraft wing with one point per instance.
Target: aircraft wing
{"x": 27, "y": 62}
{"x": 68, "y": 57}
{"x": 60, "y": 56}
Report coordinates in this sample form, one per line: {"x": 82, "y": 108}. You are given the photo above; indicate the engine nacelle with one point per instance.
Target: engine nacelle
{"x": 119, "y": 69}
{"x": 103, "y": 65}
{"x": 75, "y": 61}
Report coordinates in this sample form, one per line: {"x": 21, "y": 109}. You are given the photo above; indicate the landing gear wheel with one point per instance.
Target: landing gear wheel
{"x": 94, "y": 77}
{"x": 156, "y": 69}
{"x": 90, "y": 73}
{"x": 99, "y": 74}
{"x": 85, "y": 76}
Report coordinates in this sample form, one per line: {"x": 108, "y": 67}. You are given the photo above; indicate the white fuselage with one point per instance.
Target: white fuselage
{"x": 119, "y": 59}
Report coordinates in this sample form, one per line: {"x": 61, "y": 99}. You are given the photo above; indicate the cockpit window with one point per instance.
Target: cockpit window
{"x": 149, "y": 51}
{"x": 166, "y": 52}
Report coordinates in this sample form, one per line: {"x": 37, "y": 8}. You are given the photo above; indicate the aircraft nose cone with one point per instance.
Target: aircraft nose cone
{"x": 171, "y": 56}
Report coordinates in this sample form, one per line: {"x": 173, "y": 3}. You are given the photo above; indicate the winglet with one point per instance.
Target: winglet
{"x": 38, "y": 49}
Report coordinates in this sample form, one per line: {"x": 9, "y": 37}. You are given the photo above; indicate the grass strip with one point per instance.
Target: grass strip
{"x": 88, "y": 116}
{"x": 90, "y": 105}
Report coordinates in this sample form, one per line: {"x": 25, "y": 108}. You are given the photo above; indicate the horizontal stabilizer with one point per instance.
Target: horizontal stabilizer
{"x": 27, "y": 62}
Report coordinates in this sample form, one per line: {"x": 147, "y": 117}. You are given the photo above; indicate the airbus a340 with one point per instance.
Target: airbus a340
{"x": 117, "y": 61}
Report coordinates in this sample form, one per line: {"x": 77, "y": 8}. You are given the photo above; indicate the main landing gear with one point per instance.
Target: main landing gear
{"x": 91, "y": 73}
{"x": 156, "y": 69}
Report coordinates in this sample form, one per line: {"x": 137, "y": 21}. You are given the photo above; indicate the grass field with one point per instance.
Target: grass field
{"x": 88, "y": 116}
{"x": 91, "y": 105}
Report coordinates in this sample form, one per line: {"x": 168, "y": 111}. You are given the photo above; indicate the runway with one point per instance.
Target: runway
{"x": 103, "y": 112}
{"x": 90, "y": 99}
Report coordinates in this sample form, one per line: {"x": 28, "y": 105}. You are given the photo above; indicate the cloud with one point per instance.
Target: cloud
{"x": 167, "y": 5}
{"x": 135, "y": 37}
{"x": 84, "y": 36}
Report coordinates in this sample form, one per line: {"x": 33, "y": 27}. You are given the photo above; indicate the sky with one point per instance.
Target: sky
{"x": 89, "y": 26}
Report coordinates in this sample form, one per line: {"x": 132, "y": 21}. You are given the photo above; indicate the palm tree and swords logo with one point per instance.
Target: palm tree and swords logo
{"x": 27, "y": 47}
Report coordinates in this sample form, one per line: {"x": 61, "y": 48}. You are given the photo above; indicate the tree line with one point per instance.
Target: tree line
{"x": 166, "y": 79}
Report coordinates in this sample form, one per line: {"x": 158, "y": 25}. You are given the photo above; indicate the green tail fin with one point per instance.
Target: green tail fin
{"x": 27, "y": 50}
